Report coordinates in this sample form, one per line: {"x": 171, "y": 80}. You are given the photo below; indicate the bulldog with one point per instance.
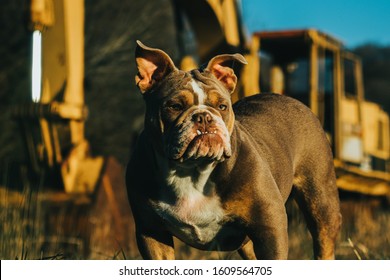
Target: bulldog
{"x": 218, "y": 176}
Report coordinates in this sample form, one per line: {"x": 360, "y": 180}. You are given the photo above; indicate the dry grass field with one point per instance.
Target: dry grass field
{"x": 26, "y": 232}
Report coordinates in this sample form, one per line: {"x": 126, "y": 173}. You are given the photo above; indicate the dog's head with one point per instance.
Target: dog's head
{"x": 189, "y": 113}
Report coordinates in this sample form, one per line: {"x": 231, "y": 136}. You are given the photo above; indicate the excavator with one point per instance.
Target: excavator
{"x": 82, "y": 197}
{"x": 308, "y": 65}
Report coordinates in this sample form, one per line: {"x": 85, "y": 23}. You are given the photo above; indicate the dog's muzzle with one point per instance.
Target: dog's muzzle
{"x": 200, "y": 135}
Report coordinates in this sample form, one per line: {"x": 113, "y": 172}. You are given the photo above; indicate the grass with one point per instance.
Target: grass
{"x": 33, "y": 230}
{"x": 366, "y": 229}
{"x": 24, "y": 225}
{"x": 19, "y": 229}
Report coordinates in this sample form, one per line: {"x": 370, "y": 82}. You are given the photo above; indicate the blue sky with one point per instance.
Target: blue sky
{"x": 353, "y": 21}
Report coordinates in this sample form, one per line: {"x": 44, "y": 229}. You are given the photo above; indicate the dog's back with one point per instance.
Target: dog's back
{"x": 278, "y": 120}
{"x": 288, "y": 134}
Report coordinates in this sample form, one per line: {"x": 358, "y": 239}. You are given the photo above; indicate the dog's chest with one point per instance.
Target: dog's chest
{"x": 195, "y": 213}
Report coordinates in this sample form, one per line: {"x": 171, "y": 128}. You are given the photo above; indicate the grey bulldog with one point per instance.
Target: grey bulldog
{"x": 218, "y": 176}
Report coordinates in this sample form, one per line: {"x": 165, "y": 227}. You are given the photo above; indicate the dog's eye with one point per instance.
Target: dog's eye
{"x": 222, "y": 107}
{"x": 176, "y": 107}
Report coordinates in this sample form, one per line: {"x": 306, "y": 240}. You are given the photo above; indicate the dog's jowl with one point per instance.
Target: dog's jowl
{"x": 217, "y": 175}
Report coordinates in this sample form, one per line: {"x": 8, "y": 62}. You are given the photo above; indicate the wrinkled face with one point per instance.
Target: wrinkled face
{"x": 190, "y": 111}
{"x": 195, "y": 117}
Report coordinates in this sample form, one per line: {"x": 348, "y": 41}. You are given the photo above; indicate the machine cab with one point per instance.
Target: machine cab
{"x": 308, "y": 65}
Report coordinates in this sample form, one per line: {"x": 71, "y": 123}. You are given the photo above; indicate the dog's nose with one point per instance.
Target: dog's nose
{"x": 203, "y": 118}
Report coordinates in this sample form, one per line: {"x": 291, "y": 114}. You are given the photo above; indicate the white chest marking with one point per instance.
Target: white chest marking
{"x": 199, "y": 91}
{"x": 195, "y": 214}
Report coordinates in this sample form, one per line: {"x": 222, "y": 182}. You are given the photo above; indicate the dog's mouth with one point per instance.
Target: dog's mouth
{"x": 211, "y": 144}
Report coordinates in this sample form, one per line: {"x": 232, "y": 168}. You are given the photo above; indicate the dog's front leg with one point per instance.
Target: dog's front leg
{"x": 155, "y": 245}
{"x": 269, "y": 233}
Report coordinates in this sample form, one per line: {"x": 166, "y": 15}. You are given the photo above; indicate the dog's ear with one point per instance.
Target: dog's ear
{"x": 221, "y": 66}
{"x": 153, "y": 65}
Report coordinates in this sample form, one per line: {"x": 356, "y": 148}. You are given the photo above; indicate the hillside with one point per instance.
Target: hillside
{"x": 376, "y": 73}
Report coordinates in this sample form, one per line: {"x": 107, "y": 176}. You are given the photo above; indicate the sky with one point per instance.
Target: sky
{"x": 354, "y": 22}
